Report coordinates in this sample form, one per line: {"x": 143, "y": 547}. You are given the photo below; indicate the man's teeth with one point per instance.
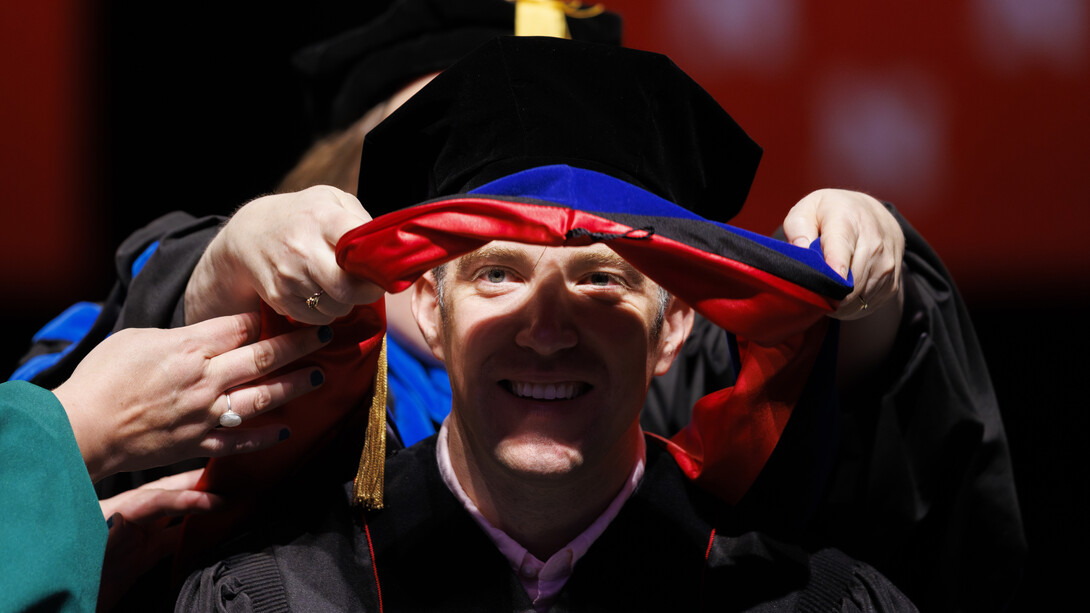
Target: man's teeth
{"x": 546, "y": 391}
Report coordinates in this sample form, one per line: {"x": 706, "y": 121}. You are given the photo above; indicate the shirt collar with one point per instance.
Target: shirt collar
{"x": 542, "y": 580}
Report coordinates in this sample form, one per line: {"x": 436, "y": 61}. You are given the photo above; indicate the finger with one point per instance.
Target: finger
{"x": 838, "y": 247}
{"x": 348, "y": 290}
{"x": 327, "y": 304}
{"x": 247, "y": 363}
{"x": 297, "y": 310}
{"x": 856, "y": 303}
{"x": 223, "y": 442}
{"x": 124, "y": 501}
{"x": 222, "y": 334}
{"x": 305, "y": 299}
{"x": 144, "y": 505}
{"x": 338, "y": 285}
{"x": 288, "y": 292}
{"x": 352, "y": 215}
{"x": 875, "y": 268}
{"x": 180, "y": 481}
{"x": 250, "y": 401}
{"x": 800, "y": 227}
{"x": 342, "y": 287}
{"x": 874, "y": 288}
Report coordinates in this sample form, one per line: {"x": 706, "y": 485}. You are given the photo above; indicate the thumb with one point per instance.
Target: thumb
{"x": 800, "y": 227}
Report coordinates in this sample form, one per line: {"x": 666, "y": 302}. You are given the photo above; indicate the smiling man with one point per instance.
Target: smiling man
{"x": 555, "y": 348}
{"x": 545, "y": 190}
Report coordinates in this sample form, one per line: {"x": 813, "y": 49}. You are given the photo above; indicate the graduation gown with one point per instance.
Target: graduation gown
{"x": 671, "y": 547}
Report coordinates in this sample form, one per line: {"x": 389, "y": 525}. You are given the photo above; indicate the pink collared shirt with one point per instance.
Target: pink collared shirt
{"x": 542, "y": 580}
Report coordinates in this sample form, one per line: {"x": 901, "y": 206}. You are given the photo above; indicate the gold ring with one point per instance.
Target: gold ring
{"x": 312, "y": 302}
{"x": 864, "y": 301}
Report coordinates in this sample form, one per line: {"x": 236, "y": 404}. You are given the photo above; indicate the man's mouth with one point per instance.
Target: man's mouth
{"x": 565, "y": 390}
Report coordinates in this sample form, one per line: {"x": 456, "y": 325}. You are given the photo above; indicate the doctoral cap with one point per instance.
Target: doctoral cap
{"x": 349, "y": 73}
{"x": 520, "y": 103}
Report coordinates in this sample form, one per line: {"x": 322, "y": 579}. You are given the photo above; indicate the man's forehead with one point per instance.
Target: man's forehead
{"x": 506, "y": 251}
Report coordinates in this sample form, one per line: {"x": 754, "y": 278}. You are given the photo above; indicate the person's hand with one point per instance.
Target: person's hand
{"x": 281, "y": 249}
{"x": 859, "y": 234}
{"x": 141, "y": 532}
{"x": 150, "y": 397}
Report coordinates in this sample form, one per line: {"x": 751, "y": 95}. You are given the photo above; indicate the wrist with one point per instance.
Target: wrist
{"x": 212, "y": 286}
{"x": 89, "y": 434}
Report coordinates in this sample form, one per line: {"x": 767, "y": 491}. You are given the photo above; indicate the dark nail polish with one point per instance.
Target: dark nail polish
{"x": 317, "y": 378}
{"x": 284, "y": 434}
{"x": 109, "y": 522}
{"x": 325, "y": 333}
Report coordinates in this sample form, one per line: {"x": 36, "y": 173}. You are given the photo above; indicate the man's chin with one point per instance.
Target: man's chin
{"x": 538, "y": 459}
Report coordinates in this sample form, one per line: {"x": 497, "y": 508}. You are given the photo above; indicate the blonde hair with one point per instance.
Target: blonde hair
{"x": 335, "y": 159}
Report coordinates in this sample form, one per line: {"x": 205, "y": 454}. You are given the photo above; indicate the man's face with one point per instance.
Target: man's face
{"x": 550, "y": 352}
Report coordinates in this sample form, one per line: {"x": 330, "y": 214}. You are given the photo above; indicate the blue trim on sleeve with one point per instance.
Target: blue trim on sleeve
{"x": 138, "y": 264}
{"x": 39, "y": 363}
{"x": 71, "y": 325}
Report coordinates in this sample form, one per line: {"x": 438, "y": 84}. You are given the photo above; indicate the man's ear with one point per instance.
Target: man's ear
{"x": 676, "y": 325}
{"x": 425, "y": 306}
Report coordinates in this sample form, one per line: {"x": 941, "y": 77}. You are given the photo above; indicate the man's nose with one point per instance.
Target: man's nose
{"x": 548, "y": 325}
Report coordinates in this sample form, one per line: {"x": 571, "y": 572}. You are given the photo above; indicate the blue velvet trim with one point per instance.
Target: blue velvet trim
{"x": 421, "y": 393}
{"x": 71, "y": 325}
{"x": 38, "y": 363}
{"x": 584, "y": 190}
{"x": 594, "y": 192}
{"x": 138, "y": 264}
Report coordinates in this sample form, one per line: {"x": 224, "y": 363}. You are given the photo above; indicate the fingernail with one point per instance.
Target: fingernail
{"x": 174, "y": 521}
{"x": 284, "y": 434}
{"x": 325, "y": 333}
{"x": 317, "y": 378}
{"x": 110, "y": 522}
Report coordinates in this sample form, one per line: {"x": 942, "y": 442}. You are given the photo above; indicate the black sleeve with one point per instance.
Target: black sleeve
{"x": 215, "y": 589}
{"x": 151, "y": 298}
{"x": 872, "y": 591}
{"x": 923, "y": 487}
{"x": 840, "y": 583}
{"x": 154, "y": 297}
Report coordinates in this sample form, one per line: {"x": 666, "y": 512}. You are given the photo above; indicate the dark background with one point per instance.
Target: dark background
{"x": 114, "y": 113}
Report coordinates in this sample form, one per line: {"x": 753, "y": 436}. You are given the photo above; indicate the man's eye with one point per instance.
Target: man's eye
{"x": 601, "y": 279}
{"x": 495, "y": 275}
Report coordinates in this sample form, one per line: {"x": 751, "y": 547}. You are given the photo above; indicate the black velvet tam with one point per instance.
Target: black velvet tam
{"x": 348, "y": 74}
{"x": 518, "y": 103}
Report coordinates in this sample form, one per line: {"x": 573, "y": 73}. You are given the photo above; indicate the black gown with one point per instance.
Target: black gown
{"x": 672, "y": 547}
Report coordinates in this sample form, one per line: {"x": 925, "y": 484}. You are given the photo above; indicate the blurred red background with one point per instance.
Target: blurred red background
{"x": 972, "y": 116}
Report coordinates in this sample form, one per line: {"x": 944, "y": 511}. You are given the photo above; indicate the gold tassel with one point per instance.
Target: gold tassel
{"x": 371, "y": 473}
{"x": 548, "y": 17}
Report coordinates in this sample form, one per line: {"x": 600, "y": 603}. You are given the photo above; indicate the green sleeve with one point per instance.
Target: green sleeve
{"x": 52, "y": 533}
